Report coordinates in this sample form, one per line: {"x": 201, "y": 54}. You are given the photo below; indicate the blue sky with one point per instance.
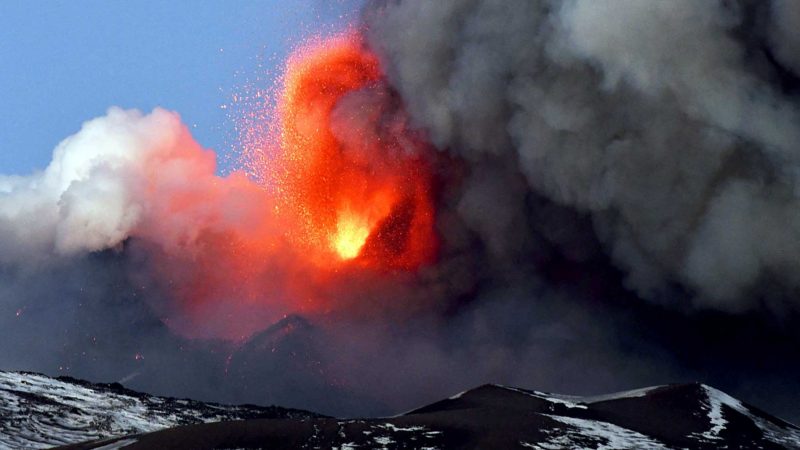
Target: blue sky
{"x": 64, "y": 62}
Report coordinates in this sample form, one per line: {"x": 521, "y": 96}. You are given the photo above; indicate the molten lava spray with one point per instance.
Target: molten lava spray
{"x": 346, "y": 170}
{"x": 341, "y": 187}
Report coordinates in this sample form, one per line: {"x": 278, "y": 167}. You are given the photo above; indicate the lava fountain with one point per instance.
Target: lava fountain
{"x": 338, "y": 193}
{"x": 344, "y": 166}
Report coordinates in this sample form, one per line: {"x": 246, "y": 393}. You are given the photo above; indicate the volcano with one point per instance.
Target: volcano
{"x": 574, "y": 196}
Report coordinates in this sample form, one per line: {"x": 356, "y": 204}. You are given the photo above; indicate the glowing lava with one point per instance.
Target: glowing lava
{"x": 346, "y": 170}
{"x": 338, "y": 194}
{"x": 351, "y": 234}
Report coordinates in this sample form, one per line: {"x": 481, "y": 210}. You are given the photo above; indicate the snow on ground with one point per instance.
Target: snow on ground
{"x": 347, "y": 446}
{"x": 713, "y": 406}
{"x": 394, "y": 428}
{"x": 457, "y": 396}
{"x": 37, "y": 411}
{"x": 382, "y": 435}
{"x": 788, "y": 436}
{"x": 595, "y": 434}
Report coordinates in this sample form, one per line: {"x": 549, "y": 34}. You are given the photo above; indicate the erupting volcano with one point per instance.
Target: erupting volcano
{"x": 417, "y": 197}
{"x": 345, "y": 169}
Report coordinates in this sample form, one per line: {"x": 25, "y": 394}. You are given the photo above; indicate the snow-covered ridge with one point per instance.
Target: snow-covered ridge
{"x": 787, "y": 435}
{"x": 37, "y": 411}
{"x": 713, "y": 409}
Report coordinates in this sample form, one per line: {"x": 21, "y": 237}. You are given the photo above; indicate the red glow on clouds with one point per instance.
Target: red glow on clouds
{"x": 337, "y": 183}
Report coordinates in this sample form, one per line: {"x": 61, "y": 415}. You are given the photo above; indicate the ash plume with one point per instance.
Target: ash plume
{"x": 665, "y": 122}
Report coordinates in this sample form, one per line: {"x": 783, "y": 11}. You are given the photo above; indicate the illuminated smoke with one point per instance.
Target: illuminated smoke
{"x": 129, "y": 175}
{"x": 103, "y": 184}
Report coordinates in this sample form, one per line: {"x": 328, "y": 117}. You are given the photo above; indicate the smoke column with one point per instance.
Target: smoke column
{"x": 666, "y": 122}
{"x": 575, "y": 196}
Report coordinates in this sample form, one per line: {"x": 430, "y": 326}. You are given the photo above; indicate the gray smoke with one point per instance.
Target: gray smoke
{"x": 663, "y": 121}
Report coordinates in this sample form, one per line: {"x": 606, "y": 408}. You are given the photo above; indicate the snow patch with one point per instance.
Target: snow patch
{"x": 788, "y": 435}
{"x": 715, "y": 400}
{"x": 383, "y": 441}
{"x": 603, "y": 436}
{"x": 457, "y": 396}
{"x": 347, "y": 446}
{"x": 395, "y": 428}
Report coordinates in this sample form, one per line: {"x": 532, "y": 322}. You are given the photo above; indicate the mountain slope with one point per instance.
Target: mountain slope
{"x": 37, "y": 411}
{"x": 664, "y": 417}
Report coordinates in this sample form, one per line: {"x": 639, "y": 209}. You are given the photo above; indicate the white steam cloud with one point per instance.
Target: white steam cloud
{"x": 122, "y": 175}
{"x": 89, "y": 197}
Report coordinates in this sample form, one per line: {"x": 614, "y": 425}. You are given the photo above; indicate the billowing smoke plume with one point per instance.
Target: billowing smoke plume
{"x": 577, "y": 196}
{"x": 666, "y": 122}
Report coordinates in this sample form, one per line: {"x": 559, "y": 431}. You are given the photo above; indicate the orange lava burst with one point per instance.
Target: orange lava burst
{"x": 338, "y": 188}
{"x": 342, "y": 163}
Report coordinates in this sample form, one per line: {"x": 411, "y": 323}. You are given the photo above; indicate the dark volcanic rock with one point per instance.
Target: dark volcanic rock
{"x": 692, "y": 416}
{"x": 294, "y": 355}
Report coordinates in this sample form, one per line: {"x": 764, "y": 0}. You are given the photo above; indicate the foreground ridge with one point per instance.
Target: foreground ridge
{"x": 38, "y": 412}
